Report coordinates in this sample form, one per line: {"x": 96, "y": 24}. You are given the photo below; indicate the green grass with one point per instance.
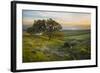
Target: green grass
{"x": 40, "y": 48}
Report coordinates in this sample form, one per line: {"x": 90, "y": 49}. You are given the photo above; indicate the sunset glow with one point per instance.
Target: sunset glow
{"x": 68, "y": 20}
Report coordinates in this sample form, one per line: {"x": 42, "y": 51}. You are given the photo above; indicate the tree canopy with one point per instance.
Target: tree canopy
{"x": 48, "y": 26}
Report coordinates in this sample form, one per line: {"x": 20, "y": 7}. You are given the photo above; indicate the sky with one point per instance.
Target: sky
{"x": 68, "y": 20}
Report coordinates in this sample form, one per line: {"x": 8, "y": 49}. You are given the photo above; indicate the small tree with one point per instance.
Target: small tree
{"x": 30, "y": 30}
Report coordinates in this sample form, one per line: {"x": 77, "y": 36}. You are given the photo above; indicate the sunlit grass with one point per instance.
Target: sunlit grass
{"x": 38, "y": 48}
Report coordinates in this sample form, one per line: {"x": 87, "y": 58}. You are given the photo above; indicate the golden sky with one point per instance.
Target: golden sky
{"x": 68, "y": 20}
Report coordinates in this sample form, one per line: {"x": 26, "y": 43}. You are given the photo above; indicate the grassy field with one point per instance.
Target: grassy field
{"x": 74, "y": 45}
